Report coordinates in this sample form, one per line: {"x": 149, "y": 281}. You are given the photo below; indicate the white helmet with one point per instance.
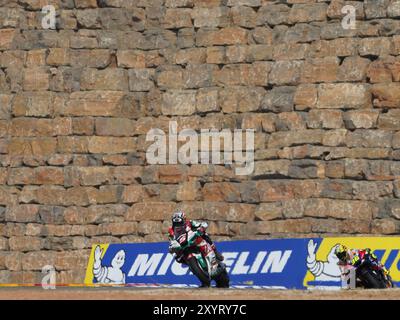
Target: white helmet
{"x": 178, "y": 218}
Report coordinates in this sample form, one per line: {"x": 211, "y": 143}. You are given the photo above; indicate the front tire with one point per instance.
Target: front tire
{"x": 199, "y": 272}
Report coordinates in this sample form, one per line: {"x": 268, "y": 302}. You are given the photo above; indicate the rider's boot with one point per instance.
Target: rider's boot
{"x": 211, "y": 257}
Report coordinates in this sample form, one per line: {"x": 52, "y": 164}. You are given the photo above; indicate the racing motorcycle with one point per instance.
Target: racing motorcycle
{"x": 185, "y": 251}
{"x": 368, "y": 275}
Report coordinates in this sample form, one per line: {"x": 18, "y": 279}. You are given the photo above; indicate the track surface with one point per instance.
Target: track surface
{"x": 190, "y": 294}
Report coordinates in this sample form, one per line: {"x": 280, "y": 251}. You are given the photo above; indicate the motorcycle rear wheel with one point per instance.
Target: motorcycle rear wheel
{"x": 199, "y": 272}
{"x": 371, "y": 280}
{"x": 222, "y": 280}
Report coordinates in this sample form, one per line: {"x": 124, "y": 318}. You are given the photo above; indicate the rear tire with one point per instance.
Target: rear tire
{"x": 199, "y": 272}
{"x": 222, "y": 280}
{"x": 371, "y": 281}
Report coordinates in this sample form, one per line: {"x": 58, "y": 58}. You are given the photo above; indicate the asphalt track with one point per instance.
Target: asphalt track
{"x": 21, "y": 293}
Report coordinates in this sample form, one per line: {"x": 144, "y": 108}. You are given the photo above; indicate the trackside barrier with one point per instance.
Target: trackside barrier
{"x": 306, "y": 263}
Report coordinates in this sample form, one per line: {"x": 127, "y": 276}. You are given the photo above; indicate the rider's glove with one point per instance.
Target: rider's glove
{"x": 173, "y": 246}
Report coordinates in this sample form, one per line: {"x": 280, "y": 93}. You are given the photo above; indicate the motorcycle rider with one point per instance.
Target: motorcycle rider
{"x": 181, "y": 224}
{"x": 356, "y": 257}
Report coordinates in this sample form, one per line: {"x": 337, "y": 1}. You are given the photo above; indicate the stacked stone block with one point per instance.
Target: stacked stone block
{"x": 76, "y": 104}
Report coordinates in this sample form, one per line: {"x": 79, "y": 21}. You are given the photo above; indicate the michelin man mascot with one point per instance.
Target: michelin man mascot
{"x": 323, "y": 270}
{"x": 111, "y": 274}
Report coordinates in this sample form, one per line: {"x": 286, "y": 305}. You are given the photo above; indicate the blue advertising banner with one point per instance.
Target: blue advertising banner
{"x": 276, "y": 263}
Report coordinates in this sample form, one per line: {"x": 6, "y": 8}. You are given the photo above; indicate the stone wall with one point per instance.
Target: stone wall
{"x": 76, "y": 104}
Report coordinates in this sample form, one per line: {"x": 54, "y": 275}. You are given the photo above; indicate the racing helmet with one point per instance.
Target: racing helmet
{"x": 178, "y": 219}
{"x": 341, "y": 252}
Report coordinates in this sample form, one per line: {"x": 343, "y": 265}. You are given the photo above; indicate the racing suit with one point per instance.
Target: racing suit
{"x": 357, "y": 257}
{"x": 199, "y": 227}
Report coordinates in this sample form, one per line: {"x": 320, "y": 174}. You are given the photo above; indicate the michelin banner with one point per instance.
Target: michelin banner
{"x": 277, "y": 263}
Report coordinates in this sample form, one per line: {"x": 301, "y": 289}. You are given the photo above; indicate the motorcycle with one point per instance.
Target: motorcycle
{"x": 185, "y": 250}
{"x": 367, "y": 275}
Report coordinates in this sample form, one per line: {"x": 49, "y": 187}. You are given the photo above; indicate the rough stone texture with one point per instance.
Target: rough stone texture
{"x": 76, "y": 104}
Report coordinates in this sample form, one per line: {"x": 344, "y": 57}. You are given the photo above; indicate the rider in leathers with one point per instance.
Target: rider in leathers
{"x": 180, "y": 224}
{"x": 355, "y": 257}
